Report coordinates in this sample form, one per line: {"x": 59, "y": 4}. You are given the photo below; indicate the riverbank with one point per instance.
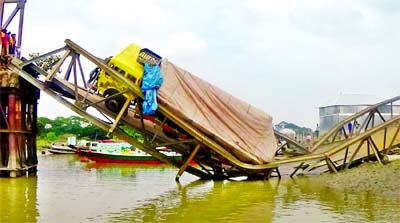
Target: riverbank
{"x": 382, "y": 180}
{"x": 42, "y": 144}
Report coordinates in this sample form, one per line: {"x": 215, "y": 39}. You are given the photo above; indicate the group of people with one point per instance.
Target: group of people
{"x": 8, "y": 43}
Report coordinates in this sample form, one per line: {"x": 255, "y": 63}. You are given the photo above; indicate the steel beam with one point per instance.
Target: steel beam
{"x": 186, "y": 163}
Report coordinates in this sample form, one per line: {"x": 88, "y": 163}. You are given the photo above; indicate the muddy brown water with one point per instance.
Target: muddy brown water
{"x": 70, "y": 189}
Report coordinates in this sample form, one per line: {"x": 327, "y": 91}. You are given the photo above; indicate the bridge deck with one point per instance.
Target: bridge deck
{"x": 374, "y": 139}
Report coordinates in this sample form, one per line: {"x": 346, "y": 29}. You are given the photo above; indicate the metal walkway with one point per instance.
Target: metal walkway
{"x": 336, "y": 150}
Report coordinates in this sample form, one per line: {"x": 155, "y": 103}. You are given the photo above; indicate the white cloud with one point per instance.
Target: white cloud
{"x": 44, "y": 38}
{"x": 283, "y": 56}
{"x": 133, "y": 12}
{"x": 184, "y": 44}
{"x": 282, "y": 7}
{"x": 49, "y": 107}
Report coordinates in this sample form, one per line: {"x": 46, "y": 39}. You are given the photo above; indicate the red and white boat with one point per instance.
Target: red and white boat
{"x": 122, "y": 152}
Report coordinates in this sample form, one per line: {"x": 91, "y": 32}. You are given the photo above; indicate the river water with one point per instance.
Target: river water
{"x": 71, "y": 189}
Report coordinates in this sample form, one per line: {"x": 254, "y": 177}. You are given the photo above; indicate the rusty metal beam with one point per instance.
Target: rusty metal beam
{"x": 70, "y": 65}
{"x": 1, "y": 13}
{"x": 393, "y": 139}
{"x": 21, "y": 5}
{"x": 331, "y": 165}
{"x": 380, "y": 115}
{"x": 120, "y": 114}
{"x": 186, "y": 163}
{"x": 355, "y": 153}
{"x": 81, "y": 70}
{"x": 177, "y": 142}
{"x": 57, "y": 66}
{"x": 75, "y": 78}
{"x": 11, "y": 17}
{"x": 15, "y": 131}
{"x": 345, "y": 158}
{"x": 297, "y": 169}
{"x": 376, "y": 151}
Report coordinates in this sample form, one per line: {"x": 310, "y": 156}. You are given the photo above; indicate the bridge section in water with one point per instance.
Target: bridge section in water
{"x": 340, "y": 148}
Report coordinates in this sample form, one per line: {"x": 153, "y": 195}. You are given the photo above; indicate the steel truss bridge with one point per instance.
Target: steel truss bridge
{"x": 376, "y": 135}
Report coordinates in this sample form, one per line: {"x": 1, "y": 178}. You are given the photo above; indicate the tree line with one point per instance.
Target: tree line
{"x": 50, "y": 129}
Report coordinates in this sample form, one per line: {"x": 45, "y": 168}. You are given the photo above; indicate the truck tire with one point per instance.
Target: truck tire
{"x": 116, "y": 103}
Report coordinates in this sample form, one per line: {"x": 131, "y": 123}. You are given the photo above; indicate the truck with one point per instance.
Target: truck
{"x": 128, "y": 63}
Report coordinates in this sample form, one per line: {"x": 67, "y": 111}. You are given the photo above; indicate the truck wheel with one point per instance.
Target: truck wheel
{"x": 116, "y": 103}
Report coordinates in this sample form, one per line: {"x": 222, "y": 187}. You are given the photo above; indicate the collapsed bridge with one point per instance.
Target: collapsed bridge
{"x": 224, "y": 136}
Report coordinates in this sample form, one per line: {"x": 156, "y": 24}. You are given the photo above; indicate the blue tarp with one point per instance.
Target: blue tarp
{"x": 151, "y": 81}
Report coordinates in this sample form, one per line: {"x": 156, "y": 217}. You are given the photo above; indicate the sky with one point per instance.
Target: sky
{"x": 286, "y": 57}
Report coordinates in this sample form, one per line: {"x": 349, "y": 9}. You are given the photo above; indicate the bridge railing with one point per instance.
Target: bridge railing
{"x": 373, "y": 133}
{"x": 367, "y": 118}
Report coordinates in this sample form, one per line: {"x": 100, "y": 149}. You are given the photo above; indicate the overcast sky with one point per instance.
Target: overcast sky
{"x": 285, "y": 57}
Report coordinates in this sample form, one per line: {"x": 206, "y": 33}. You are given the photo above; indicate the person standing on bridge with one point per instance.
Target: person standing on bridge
{"x": 12, "y": 42}
{"x": 317, "y": 131}
{"x": 4, "y": 49}
{"x": 350, "y": 128}
{"x": 4, "y": 42}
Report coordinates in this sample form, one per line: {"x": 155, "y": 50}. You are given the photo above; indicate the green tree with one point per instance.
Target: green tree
{"x": 53, "y": 129}
{"x": 42, "y": 123}
{"x": 51, "y": 136}
{"x": 70, "y": 125}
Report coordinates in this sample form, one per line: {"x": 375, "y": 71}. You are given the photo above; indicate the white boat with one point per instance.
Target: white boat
{"x": 61, "y": 148}
{"x": 122, "y": 152}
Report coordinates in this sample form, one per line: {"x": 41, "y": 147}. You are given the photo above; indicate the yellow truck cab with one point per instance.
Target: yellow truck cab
{"x": 128, "y": 63}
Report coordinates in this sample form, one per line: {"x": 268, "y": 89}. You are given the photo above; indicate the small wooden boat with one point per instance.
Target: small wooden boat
{"x": 61, "y": 148}
{"x": 122, "y": 152}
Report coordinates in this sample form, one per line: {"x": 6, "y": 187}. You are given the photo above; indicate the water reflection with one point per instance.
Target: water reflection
{"x": 87, "y": 190}
{"x": 346, "y": 205}
{"x": 18, "y": 199}
{"x": 205, "y": 201}
{"x": 69, "y": 190}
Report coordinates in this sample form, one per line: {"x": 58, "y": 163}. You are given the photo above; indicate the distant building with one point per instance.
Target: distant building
{"x": 280, "y": 126}
{"x": 292, "y": 130}
{"x": 346, "y": 105}
{"x": 288, "y": 132}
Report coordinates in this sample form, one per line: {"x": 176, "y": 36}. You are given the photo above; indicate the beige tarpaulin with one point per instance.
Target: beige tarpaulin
{"x": 240, "y": 128}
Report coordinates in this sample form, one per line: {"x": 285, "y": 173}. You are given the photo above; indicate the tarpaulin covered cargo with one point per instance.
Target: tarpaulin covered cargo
{"x": 239, "y": 127}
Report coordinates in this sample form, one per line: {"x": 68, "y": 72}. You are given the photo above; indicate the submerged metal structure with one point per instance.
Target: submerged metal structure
{"x": 336, "y": 150}
{"x": 18, "y": 106}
